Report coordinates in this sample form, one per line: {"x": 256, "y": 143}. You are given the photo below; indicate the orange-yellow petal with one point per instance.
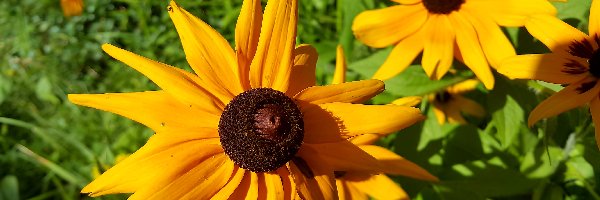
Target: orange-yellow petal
{"x": 337, "y": 156}
{"x": 272, "y": 64}
{"x": 386, "y": 26}
{"x": 439, "y": 111}
{"x": 397, "y": 165}
{"x": 247, "y": 31}
{"x": 71, "y": 7}
{"x": 155, "y": 109}
{"x": 173, "y": 81}
{"x": 510, "y": 12}
{"x": 248, "y": 188}
{"x": 303, "y": 71}
{"x": 462, "y": 87}
{"x": 365, "y": 139}
{"x": 408, "y": 101}
{"x": 321, "y": 184}
{"x": 289, "y": 187}
{"x": 357, "y": 119}
{"x": 595, "y": 111}
{"x": 494, "y": 42}
{"x": 232, "y": 184}
{"x": 320, "y": 126}
{"x": 274, "y": 186}
{"x": 401, "y": 56}
{"x": 207, "y": 52}
{"x": 553, "y": 32}
{"x": 470, "y": 49}
{"x": 379, "y": 187}
{"x": 201, "y": 182}
{"x": 568, "y": 98}
{"x": 339, "y": 76}
{"x": 552, "y": 67}
{"x": 439, "y": 45}
{"x": 164, "y": 158}
{"x": 594, "y": 22}
{"x": 351, "y": 92}
{"x": 468, "y": 106}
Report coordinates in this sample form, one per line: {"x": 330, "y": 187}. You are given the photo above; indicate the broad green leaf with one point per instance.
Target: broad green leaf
{"x": 9, "y": 188}
{"x": 541, "y": 163}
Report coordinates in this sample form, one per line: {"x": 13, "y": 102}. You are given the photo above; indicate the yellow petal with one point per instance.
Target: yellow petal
{"x": 201, "y": 182}
{"x": 380, "y": 187}
{"x": 462, "y": 87}
{"x": 155, "y": 109}
{"x": 494, "y": 43}
{"x": 468, "y": 45}
{"x": 386, "y": 26}
{"x": 438, "y": 110}
{"x": 365, "y": 139}
{"x": 454, "y": 116}
{"x": 322, "y": 183}
{"x": 357, "y": 119}
{"x": 510, "y": 12}
{"x": 320, "y": 126}
{"x": 351, "y": 92}
{"x": 274, "y": 186}
{"x": 401, "y": 56}
{"x": 247, "y": 31}
{"x": 397, "y": 165}
{"x": 550, "y": 67}
{"x": 207, "y": 52}
{"x": 71, "y": 7}
{"x": 173, "y": 81}
{"x": 408, "y": 101}
{"x": 272, "y": 64}
{"x": 262, "y": 186}
{"x": 232, "y": 184}
{"x": 303, "y": 71}
{"x": 568, "y": 98}
{"x": 248, "y": 188}
{"x": 162, "y": 160}
{"x": 438, "y": 50}
{"x": 553, "y": 32}
{"x": 289, "y": 187}
{"x": 468, "y": 106}
{"x": 594, "y": 23}
{"x": 337, "y": 156}
{"x": 339, "y": 76}
{"x": 595, "y": 110}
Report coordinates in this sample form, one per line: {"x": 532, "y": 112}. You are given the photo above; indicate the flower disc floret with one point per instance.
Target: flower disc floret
{"x": 261, "y": 129}
{"x": 442, "y": 6}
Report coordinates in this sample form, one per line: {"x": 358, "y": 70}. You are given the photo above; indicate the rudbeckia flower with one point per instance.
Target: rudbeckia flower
{"x": 71, "y": 7}
{"x": 443, "y": 29}
{"x": 574, "y": 61}
{"x": 249, "y": 123}
{"x": 362, "y": 185}
{"x": 449, "y": 104}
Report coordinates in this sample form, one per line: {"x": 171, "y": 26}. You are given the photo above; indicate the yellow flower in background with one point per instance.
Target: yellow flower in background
{"x": 250, "y": 123}
{"x": 71, "y": 7}
{"x": 574, "y": 61}
{"x": 449, "y": 104}
{"x": 443, "y": 29}
{"x": 362, "y": 185}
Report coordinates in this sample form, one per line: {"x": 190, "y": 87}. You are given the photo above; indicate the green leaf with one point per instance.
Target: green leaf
{"x": 44, "y": 92}
{"x": 9, "y": 188}
{"x": 541, "y": 163}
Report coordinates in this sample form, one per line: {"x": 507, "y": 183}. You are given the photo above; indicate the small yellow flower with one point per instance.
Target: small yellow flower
{"x": 71, "y": 7}
{"x": 574, "y": 61}
{"x": 443, "y": 29}
{"x": 250, "y": 123}
{"x": 362, "y": 185}
{"x": 449, "y": 104}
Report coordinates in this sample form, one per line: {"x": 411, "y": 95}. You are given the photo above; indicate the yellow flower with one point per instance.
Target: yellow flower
{"x": 442, "y": 29}
{"x": 359, "y": 184}
{"x": 250, "y": 123}
{"x": 448, "y": 104}
{"x": 574, "y": 61}
{"x": 71, "y": 7}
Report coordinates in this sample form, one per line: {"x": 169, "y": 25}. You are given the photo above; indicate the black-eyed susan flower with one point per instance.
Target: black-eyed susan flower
{"x": 362, "y": 185}
{"x": 574, "y": 61}
{"x": 249, "y": 123}
{"x": 443, "y": 29}
{"x": 449, "y": 103}
{"x": 71, "y": 7}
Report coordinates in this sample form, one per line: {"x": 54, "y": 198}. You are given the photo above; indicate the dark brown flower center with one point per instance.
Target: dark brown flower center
{"x": 261, "y": 129}
{"x": 594, "y": 61}
{"x": 584, "y": 49}
{"x": 443, "y": 97}
{"x": 442, "y": 6}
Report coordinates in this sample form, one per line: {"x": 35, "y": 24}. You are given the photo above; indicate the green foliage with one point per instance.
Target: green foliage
{"x": 49, "y": 147}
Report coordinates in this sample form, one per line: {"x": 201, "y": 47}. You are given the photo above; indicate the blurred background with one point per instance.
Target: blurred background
{"x": 50, "y": 148}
